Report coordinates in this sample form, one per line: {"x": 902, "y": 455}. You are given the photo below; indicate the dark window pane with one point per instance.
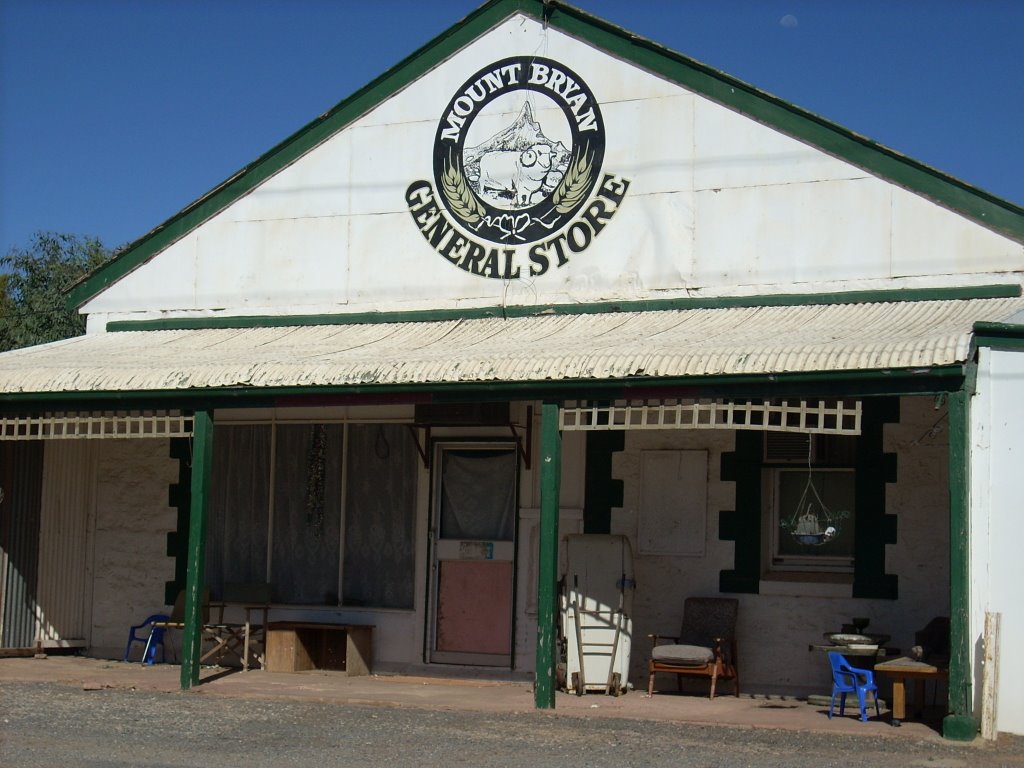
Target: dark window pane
{"x": 236, "y": 538}
{"x": 380, "y": 516}
{"x": 307, "y": 514}
{"x": 829, "y": 501}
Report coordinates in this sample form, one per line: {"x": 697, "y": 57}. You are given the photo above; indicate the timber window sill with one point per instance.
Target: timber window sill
{"x": 807, "y": 585}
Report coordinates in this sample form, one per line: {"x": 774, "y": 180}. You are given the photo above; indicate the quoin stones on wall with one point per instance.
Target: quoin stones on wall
{"x": 519, "y": 185}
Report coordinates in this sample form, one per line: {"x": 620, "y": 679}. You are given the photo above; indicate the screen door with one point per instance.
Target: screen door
{"x": 474, "y": 551}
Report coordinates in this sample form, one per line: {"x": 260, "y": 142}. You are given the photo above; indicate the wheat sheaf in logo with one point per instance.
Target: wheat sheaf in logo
{"x": 517, "y": 161}
{"x": 518, "y": 150}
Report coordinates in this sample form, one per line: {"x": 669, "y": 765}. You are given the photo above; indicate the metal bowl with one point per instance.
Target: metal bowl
{"x": 843, "y": 638}
{"x": 847, "y": 638}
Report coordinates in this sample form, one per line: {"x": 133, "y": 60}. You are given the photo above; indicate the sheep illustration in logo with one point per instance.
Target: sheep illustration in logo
{"x": 515, "y": 176}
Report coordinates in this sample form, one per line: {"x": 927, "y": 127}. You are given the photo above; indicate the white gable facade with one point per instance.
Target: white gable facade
{"x": 390, "y": 327}
{"x": 716, "y": 205}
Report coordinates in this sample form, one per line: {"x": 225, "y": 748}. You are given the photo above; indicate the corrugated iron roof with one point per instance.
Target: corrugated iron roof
{"x": 667, "y": 343}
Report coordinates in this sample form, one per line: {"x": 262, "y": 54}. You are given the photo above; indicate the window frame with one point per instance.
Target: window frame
{"x": 876, "y": 528}
{"x": 343, "y": 504}
{"x": 776, "y": 562}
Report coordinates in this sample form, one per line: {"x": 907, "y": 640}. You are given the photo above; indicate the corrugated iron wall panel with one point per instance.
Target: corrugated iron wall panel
{"x": 21, "y": 476}
{"x": 68, "y": 503}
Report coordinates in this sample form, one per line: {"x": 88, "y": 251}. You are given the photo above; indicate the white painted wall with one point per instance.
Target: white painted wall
{"x": 997, "y": 527}
{"x": 719, "y": 204}
{"x": 777, "y": 626}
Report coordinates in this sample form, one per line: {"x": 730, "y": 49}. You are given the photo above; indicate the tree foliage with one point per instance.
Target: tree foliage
{"x": 32, "y": 286}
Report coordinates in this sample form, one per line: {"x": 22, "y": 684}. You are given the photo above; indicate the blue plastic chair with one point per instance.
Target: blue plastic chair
{"x": 847, "y": 679}
{"x": 150, "y": 639}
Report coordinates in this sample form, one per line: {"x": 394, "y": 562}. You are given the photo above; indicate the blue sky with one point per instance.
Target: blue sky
{"x": 115, "y": 114}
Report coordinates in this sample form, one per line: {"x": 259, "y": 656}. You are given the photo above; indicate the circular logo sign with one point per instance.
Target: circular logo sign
{"x": 518, "y": 150}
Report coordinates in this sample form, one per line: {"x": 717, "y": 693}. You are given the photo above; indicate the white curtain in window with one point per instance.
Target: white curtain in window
{"x": 305, "y": 546}
{"x": 380, "y": 516}
{"x": 236, "y": 538}
{"x": 478, "y": 490}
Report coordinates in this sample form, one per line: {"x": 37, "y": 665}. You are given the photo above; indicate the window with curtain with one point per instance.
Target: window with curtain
{"x": 819, "y": 485}
{"x": 237, "y": 524}
{"x": 380, "y": 516}
{"x": 300, "y": 533}
{"x": 478, "y": 494}
{"x": 306, "y": 543}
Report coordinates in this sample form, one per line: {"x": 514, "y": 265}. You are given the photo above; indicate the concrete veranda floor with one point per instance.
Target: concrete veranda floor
{"x": 489, "y": 696}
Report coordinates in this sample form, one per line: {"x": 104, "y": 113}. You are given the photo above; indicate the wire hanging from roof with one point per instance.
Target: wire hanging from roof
{"x": 811, "y": 525}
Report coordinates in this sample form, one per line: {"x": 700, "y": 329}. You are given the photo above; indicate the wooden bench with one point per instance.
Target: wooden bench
{"x": 293, "y": 646}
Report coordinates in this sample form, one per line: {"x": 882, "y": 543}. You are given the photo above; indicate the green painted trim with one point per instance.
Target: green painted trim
{"x": 983, "y": 207}
{"x": 998, "y": 342}
{"x": 547, "y": 558}
{"x": 649, "y": 305}
{"x": 960, "y": 724}
{"x": 874, "y": 528}
{"x": 959, "y": 728}
{"x": 202, "y": 465}
{"x": 600, "y": 491}
{"x": 295, "y": 146}
{"x": 754, "y": 387}
{"x": 998, "y": 335}
{"x": 986, "y": 209}
{"x": 1010, "y": 330}
{"x": 179, "y": 498}
{"x": 848, "y": 383}
{"x": 743, "y": 526}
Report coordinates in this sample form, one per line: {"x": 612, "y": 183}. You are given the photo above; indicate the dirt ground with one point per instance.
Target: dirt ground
{"x": 67, "y": 723}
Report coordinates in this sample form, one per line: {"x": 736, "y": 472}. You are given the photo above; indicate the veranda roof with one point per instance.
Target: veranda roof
{"x": 583, "y": 347}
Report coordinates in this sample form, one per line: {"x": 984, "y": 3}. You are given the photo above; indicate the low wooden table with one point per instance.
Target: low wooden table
{"x": 901, "y": 670}
{"x": 293, "y": 646}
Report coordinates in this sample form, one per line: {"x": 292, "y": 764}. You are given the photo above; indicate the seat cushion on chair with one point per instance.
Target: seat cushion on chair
{"x": 682, "y": 655}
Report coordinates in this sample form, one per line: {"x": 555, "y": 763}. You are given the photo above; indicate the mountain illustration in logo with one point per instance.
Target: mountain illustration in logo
{"x": 518, "y": 167}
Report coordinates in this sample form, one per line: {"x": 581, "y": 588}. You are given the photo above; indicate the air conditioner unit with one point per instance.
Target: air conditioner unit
{"x": 789, "y": 448}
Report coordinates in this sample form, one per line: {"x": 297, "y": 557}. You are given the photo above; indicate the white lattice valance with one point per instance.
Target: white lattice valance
{"x": 835, "y": 417}
{"x": 96, "y": 426}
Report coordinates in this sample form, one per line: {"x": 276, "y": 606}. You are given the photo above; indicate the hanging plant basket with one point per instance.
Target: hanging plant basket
{"x": 813, "y": 524}
{"x": 808, "y": 529}
{"x": 814, "y": 527}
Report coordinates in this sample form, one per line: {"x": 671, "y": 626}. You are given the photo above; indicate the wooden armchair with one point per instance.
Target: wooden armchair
{"x": 706, "y": 646}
